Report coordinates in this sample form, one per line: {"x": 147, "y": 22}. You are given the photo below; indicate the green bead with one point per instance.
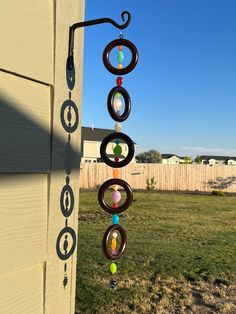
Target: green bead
{"x": 113, "y": 268}
{"x": 120, "y": 56}
{"x": 117, "y": 150}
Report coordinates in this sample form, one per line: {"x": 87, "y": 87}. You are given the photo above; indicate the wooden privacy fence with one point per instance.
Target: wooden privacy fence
{"x": 192, "y": 177}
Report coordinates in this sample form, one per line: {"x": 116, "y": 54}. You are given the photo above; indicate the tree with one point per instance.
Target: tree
{"x": 187, "y": 160}
{"x": 151, "y": 156}
{"x": 198, "y": 159}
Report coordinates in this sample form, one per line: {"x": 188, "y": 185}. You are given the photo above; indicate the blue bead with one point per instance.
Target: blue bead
{"x": 113, "y": 283}
{"x": 117, "y": 141}
{"x": 115, "y": 219}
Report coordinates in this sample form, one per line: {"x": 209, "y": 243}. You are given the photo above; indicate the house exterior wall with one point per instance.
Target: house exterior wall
{"x": 34, "y": 148}
{"x": 91, "y": 150}
{"x": 172, "y": 160}
{"x": 231, "y": 162}
{"x": 216, "y": 162}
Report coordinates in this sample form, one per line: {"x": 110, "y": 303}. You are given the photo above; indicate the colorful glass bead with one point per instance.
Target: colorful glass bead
{"x": 116, "y": 196}
{"x": 118, "y": 127}
{"x": 116, "y": 173}
{"x": 118, "y": 95}
{"x": 115, "y": 235}
{"x": 113, "y": 268}
{"x": 117, "y": 141}
{"x": 115, "y": 219}
{"x": 120, "y": 66}
{"x": 113, "y": 283}
{"x": 117, "y": 150}
{"x": 120, "y": 56}
{"x": 113, "y": 244}
{"x": 115, "y": 205}
{"x": 115, "y": 187}
{"x": 117, "y": 104}
{"x": 120, "y": 47}
{"x": 119, "y": 81}
{"x": 116, "y": 159}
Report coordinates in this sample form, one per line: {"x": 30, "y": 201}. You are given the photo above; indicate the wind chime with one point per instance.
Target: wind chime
{"x": 114, "y": 106}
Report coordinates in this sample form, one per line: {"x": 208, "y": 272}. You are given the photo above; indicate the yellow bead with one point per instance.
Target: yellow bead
{"x": 118, "y": 127}
{"x": 113, "y": 269}
{"x": 120, "y": 66}
{"x": 115, "y": 187}
{"x": 118, "y": 95}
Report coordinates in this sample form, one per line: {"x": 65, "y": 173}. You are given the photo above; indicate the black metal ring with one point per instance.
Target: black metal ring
{"x": 105, "y": 243}
{"x": 69, "y": 128}
{"x": 110, "y": 107}
{"x": 127, "y": 140}
{"x": 67, "y": 211}
{"x": 125, "y": 205}
{"x": 73, "y": 235}
{"x": 130, "y": 66}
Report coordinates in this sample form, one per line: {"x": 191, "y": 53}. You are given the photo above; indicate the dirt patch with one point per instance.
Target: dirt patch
{"x": 172, "y": 296}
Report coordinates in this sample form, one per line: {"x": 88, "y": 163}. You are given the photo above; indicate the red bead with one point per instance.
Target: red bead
{"x": 115, "y": 205}
{"x": 119, "y": 81}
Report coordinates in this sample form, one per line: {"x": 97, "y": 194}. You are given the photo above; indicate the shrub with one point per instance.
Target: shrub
{"x": 218, "y": 192}
{"x": 151, "y": 184}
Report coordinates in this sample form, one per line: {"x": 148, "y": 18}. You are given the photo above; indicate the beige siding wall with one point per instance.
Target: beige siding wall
{"x": 27, "y": 38}
{"x": 25, "y": 122}
{"x": 35, "y": 153}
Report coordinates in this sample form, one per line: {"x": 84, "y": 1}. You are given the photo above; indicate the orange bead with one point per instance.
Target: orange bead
{"x": 113, "y": 244}
{"x": 120, "y": 66}
{"x": 120, "y": 48}
{"x": 116, "y": 173}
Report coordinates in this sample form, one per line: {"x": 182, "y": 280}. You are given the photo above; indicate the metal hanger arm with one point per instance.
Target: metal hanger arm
{"x": 105, "y": 20}
{"x": 70, "y": 60}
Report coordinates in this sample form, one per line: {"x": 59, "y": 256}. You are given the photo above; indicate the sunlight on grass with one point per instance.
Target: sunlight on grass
{"x": 176, "y": 243}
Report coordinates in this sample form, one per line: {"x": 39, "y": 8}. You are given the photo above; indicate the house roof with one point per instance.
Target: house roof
{"x": 95, "y": 134}
{"x": 207, "y": 157}
{"x": 167, "y": 156}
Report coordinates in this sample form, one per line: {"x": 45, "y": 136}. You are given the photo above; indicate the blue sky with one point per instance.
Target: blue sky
{"x": 183, "y": 89}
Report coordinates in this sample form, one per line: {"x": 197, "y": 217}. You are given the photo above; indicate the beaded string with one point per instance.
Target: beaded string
{"x": 117, "y": 150}
{"x": 111, "y": 250}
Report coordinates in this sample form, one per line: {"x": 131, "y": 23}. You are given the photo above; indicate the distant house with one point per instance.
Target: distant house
{"x": 172, "y": 159}
{"x": 217, "y": 160}
{"x": 91, "y": 139}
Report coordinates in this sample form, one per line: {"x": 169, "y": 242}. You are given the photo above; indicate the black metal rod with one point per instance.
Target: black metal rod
{"x": 70, "y": 60}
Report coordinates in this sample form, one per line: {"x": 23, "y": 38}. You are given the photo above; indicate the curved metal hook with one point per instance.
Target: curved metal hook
{"x": 70, "y": 60}
{"x": 123, "y": 18}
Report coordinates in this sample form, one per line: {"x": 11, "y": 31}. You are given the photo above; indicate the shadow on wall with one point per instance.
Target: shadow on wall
{"x": 221, "y": 183}
{"x": 26, "y": 146}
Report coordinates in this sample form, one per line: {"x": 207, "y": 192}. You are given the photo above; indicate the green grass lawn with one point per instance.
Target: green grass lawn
{"x": 180, "y": 256}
